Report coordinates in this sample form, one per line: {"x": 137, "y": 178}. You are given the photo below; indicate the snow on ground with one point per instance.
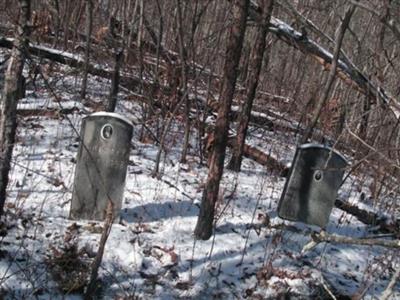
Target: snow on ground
{"x": 151, "y": 253}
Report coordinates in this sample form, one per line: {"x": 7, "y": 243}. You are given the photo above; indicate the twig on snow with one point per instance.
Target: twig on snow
{"x": 324, "y": 237}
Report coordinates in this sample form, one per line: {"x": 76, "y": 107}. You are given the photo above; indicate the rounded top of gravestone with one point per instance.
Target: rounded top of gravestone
{"x": 111, "y": 115}
{"x": 323, "y": 147}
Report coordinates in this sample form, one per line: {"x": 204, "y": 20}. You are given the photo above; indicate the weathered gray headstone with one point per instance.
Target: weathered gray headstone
{"x": 101, "y": 166}
{"x": 312, "y": 185}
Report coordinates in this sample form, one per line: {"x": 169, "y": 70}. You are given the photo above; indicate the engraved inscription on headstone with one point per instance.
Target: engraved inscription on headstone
{"x": 312, "y": 185}
{"x": 101, "y": 167}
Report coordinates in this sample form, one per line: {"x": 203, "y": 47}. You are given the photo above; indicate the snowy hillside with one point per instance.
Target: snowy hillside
{"x": 151, "y": 253}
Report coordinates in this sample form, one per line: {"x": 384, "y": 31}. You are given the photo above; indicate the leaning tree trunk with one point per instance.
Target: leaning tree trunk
{"x": 10, "y": 97}
{"x": 253, "y": 77}
{"x": 205, "y": 220}
{"x": 331, "y": 77}
{"x": 89, "y": 27}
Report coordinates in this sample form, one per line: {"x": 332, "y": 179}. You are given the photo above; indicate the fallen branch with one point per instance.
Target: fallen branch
{"x": 65, "y": 58}
{"x": 387, "y": 293}
{"x": 92, "y": 285}
{"x": 369, "y": 218}
{"x": 51, "y": 113}
{"x": 263, "y": 158}
{"x": 268, "y": 119}
{"x": 324, "y": 237}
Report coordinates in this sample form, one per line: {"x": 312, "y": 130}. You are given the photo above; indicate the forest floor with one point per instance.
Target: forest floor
{"x": 151, "y": 253}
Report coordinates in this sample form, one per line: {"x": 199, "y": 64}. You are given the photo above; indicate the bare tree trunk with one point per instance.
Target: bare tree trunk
{"x": 366, "y": 109}
{"x": 76, "y": 22}
{"x": 332, "y": 75}
{"x": 113, "y": 97}
{"x": 89, "y": 26}
{"x": 10, "y": 97}
{"x": 57, "y": 17}
{"x": 148, "y": 109}
{"x": 133, "y": 26}
{"x": 118, "y": 59}
{"x": 253, "y": 77}
{"x": 205, "y": 220}
{"x": 66, "y": 21}
{"x": 342, "y": 115}
{"x": 183, "y": 55}
{"x": 92, "y": 284}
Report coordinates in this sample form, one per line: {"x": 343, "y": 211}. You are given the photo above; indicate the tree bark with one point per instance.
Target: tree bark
{"x": 253, "y": 77}
{"x": 184, "y": 84}
{"x": 92, "y": 284}
{"x": 113, "y": 97}
{"x": 10, "y": 97}
{"x": 205, "y": 220}
{"x": 89, "y": 27}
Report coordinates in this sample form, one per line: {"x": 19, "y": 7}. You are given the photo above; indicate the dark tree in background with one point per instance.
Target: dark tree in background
{"x": 89, "y": 29}
{"x": 183, "y": 56}
{"x": 252, "y": 83}
{"x": 118, "y": 53}
{"x": 234, "y": 45}
{"x": 11, "y": 94}
{"x": 113, "y": 96}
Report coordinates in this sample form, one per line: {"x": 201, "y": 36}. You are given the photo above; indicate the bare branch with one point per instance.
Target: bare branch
{"x": 324, "y": 237}
{"x": 389, "y": 290}
{"x": 388, "y": 22}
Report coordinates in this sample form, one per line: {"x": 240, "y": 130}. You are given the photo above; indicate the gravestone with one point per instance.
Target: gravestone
{"x": 312, "y": 185}
{"x": 101, "y": 166}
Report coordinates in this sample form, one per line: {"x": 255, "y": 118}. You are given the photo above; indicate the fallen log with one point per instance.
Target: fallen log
{"x": 269, "y": 120}
{"x": 130, "y": 82}
{"x": 51, "y": 113}
{"x": 370, "y": 218}
{"x": 264, "y": 159}
{"x": 346, "y": 70}
{"x": 324, "y": 237}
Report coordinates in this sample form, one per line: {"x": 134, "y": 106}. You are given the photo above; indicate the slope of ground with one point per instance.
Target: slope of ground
{"x": 151, "y": 253}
